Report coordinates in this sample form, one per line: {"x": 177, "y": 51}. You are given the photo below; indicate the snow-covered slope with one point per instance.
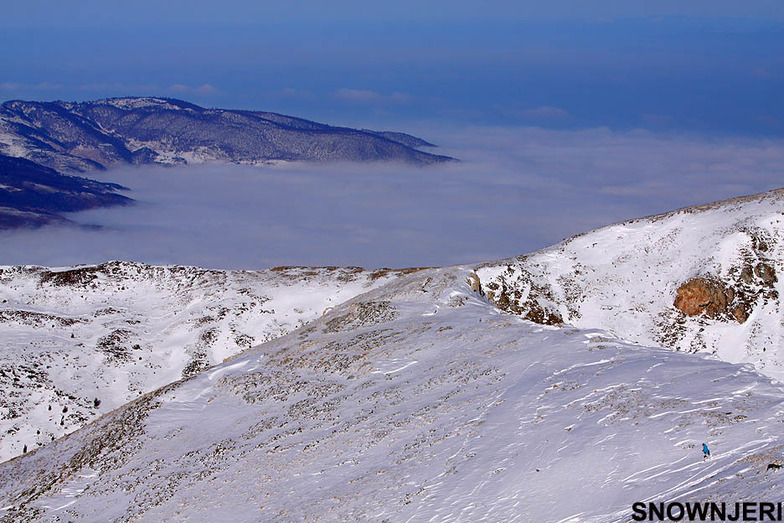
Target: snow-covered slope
{"x": 624, "y": 279}
{"x": 79, "y": 342}
{"x": 419, "y": 398}
{"x": 418, "y": 401}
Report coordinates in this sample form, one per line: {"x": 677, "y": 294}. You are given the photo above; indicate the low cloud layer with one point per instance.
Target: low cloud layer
{"x": 515, "y": 190}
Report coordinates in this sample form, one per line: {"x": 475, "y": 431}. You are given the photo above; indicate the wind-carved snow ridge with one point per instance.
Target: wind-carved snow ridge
{"x": 382, "y": 411}
{"x": 624, "y": 279}
{"x": 79, "y": 342}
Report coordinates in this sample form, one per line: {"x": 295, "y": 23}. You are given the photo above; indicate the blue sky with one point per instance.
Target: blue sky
{"x": 706, "y": 67}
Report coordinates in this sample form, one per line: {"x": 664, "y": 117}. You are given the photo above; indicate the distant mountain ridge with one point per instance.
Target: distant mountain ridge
{"x": 31, "y": 194}
{"x": 46, "y": 139}
{"x": 79, "y": 137}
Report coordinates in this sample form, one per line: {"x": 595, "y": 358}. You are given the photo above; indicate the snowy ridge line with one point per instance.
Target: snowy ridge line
{"x": 79, "y": 137}
{"x": 500, "y": 420}
{"x": 382, "y": 408}
{"x": 81, "y": 340}
{"x": 624, "y": 279}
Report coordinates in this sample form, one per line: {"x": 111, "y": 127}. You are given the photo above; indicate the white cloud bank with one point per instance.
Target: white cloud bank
{"x": 516, "y": 190}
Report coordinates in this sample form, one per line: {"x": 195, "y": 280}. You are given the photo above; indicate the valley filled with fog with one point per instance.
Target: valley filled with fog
{"x": 513, "y": 191}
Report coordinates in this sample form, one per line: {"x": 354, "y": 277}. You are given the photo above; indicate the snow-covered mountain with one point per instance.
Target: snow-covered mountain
{"x": 79, "y": 342}
{"x": 41, "y": 140}
{"x": 417, "y": 401}
{"x": 94, "y": 135}
{"x": 422, "y": 399}
{"x": 32, "y": 195}
{"x": 723, "y": 258}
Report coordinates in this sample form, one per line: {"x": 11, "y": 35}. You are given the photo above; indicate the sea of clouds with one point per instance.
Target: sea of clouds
{"x": 515, "y": 190}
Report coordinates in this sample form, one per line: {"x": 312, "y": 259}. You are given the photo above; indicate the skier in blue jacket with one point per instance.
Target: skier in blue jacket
{"x": 705, "y": 451}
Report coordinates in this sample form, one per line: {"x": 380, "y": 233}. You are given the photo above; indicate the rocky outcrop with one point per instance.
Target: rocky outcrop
{"x": 726, "y": 300}
{"x": 475, "y": 284}
{"x": 766, "y": 273}
{"x": 704, "y": 296}
{"x": 519, "y": 294}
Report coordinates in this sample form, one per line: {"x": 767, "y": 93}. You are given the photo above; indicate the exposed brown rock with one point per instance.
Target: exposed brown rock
{"x": 538, "y": 314}
{"x": 747, "y": 275}
{"x": 509, "y": 298}
{"x": 474, "y": 283}
{"x": 740, "y": 313}
{"x": 703, "y": 296}
{"x": 766, "y": 273}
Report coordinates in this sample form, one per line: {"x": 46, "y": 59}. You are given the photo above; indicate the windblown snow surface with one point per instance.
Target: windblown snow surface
{"x": 420, "y": 400}
{"x": 79, "y": 342}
